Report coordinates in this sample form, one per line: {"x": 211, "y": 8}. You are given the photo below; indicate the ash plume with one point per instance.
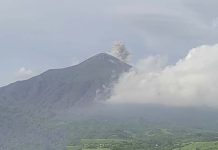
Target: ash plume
{"x": 119, "y": 50}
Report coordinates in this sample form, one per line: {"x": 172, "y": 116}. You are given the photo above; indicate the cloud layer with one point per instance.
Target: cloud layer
{"x": 192, "y": 81}
{"x": 24, "y": 73}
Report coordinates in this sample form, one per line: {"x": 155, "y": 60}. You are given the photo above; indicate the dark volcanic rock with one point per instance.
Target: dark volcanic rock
{"x": 84, "y": 83}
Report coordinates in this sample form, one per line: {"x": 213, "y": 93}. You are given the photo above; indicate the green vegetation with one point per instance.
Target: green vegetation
{"x": 199, "y": 146}
{"x": 100, "y": 135}
{"x": 102, "y": 144}
{"x": 114, "y": 144}
{"x": 73, "y": 147}
{"x": 138, "y": 133}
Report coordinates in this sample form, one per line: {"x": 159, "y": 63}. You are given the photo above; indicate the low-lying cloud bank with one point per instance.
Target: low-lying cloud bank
{"x": 192, "y": 81}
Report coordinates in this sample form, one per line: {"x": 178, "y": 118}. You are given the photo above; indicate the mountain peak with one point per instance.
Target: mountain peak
{"x": 83, "y": 83}
{"x": 104, "y": 57}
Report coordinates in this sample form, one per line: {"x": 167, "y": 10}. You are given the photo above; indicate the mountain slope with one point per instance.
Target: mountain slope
{"x": 81, "y": 84}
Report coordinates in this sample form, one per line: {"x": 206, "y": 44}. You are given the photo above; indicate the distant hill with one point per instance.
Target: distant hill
{"x": 84, "y": 83}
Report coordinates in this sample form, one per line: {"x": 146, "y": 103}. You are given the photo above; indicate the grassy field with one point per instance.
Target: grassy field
{"x": 78, "y": 148}
{"x": 73, "y": 148}
{"x": 101, "y": 144}
{"x": 87, "y": 144}
{"x": 200, "y": 146}
{"x": 98, "y": 149}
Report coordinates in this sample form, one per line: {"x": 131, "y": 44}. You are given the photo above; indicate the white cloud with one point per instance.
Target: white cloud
{"x": 152, "y": 64}
{"x": 24, "y": 73}
{"x": 192, "y": 81}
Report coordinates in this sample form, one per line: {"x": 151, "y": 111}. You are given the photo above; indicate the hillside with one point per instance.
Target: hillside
{"x": 81, "y": 84}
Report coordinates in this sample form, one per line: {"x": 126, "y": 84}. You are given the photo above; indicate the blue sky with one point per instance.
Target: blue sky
{"x": 38, "y": 35}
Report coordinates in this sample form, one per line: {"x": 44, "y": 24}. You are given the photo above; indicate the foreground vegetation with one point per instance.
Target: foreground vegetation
{"x": 199, "y": 146}
{"x": 115, "y": 144}
{"x": 100, "y": 135}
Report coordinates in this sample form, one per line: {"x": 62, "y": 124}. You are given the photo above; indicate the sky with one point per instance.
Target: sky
{"x": 38, "y": 35}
